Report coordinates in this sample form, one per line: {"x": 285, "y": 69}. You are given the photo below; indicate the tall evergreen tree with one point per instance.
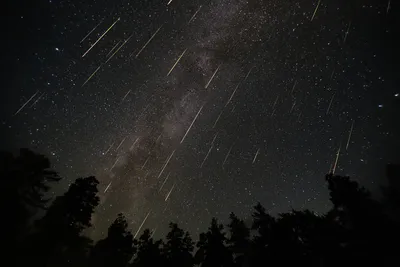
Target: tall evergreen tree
{"x": 239, "y": 239}
{"x": 25, "y": 180}
{"x": 212, "y": 247}
{"x": 59, "y": 232}
{"x": 116, "y": 249}
{"x": 178, "y": 247}
{"x": 148, "y": 251}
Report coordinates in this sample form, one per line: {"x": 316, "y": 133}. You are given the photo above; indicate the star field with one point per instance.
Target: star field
{"x": 186, "y": 110}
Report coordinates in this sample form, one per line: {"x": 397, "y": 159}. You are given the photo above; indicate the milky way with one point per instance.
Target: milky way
{"x": 185, "y": 110}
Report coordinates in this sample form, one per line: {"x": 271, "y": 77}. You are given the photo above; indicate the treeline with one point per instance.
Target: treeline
{"x": 357, "y": 231}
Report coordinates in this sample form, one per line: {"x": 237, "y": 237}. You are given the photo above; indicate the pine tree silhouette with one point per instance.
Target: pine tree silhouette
{"x": 25, "y": 180}
{"x": 178, "y": 248}
{"x": 239, "y": 240}
{"x": 212, "y": 249}
{"x": 148, "y": 251}
{"x": 116, "y": 249}
{"x": 59, "y": 240}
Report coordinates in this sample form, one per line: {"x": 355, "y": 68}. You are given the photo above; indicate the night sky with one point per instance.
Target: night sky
{"x": 185, "y": 110}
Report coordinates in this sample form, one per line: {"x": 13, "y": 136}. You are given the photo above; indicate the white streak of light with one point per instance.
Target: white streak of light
{"x": 140, "y": 227}
{"x": 316, "y": 9}
{"x": 151, "y": 38}
{"x": 227, "y": 155}
{"x": 134, "y": 143}
{"x": 209, "y": 150}
{"x": 101, "y": 37}
{"x": 177, "y": 61}
{"x": 169, "y": 193}
{"x": 26, "y": 103}
{"x": 90, "y": 77}
{"x": 219, "y": 116}
{"x": 294, "y": 85}
{"x": 336, "y": 160}
{"x": 108, "y": 186}
{"x": 119, "y": 48}
{"x": 37, "y": 100}
{"x": 115, "y": 163}
{"x": 350, "y": 133}
{"x": 166, "y": 163}
{"x": 126, "y": 95}
{"x": 87, "y": 35}
{"x": 190, "y": 127}
{"x": 113, "y": 48}
{"x": 330, "y": 104}
{"x": 194, "y": 14}
{"x": 169, "y": 2}
{"x": 388, "y": 7}
{"x": 346, "y": 33}
{"x": 212, "y": 77}
{"x": 108, "y": 150}
{"x": 120, "y": 144}
{"x": 165, "y": 180}
{"x": 144, "y": 164}
{"x": 255, "y": 157}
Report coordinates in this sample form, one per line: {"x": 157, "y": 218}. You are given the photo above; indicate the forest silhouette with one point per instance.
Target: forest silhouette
{"x": 357, "y": 231}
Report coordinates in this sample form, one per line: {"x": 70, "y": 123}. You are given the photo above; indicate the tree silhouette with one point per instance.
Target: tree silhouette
{"x": 59, "y": 237}
{"x": 24, "y": 181}
{"x": 148, "y": 251}
{"x": 239, "y": 239}
{"x": 178, "y": 248}
{"x": 212, "y": 250}
{"x": 116, "y": 249}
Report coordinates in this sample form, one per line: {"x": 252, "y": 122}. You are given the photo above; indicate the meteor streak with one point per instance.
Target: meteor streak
{"x": 144, "y": 164}
{"x": 350, "y": 133}
{"x": 294, "y": 85}
{"x": 190, "y": 127}
{"x": 113, "y": 48}
{"x": 219, "y": 116}
{"x": 192, "y": 18}
{"x": 255, "y": 157}
{"x": 120, "y": 144}
{"x": 316, "y": 9}
{"x": 108, "y": 150}
{"x": 164, "y": 182}
{"x": 115, "y": 163}
{"x": 108, "y": 186}
{"x": 151, "y": 38}
{"x": 26, "y": 103}
{"x": 87, "y": 35}
{"x": 347, "y": 33}
{"x": 169, "y": 193}
{"x": 336, "y": 161}
{"x": 134, "y": 143}
{"x": 116, "y": 51}
{"x": 176, "y": 62}
{"x": 227, "y": 155}
{"x": 388, "y": 7}
{"x": 140, "y": 227}
{"x": 209, "y": 150}
{"x": 126, "y": 95}
{"x": 294, "y": 103}
{"x": 91, "y": 76}
{"x": 330, "y": 104}
{"x": 166, "y": 163}
{"x": 212, "y": 77}
{"x": 101, "y": 37}
{"x": 37, "y": 100}
{"x": 169, "y": 2}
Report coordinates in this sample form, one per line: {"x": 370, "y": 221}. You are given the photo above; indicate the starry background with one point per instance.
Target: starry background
{"x": 261, "y": 101}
